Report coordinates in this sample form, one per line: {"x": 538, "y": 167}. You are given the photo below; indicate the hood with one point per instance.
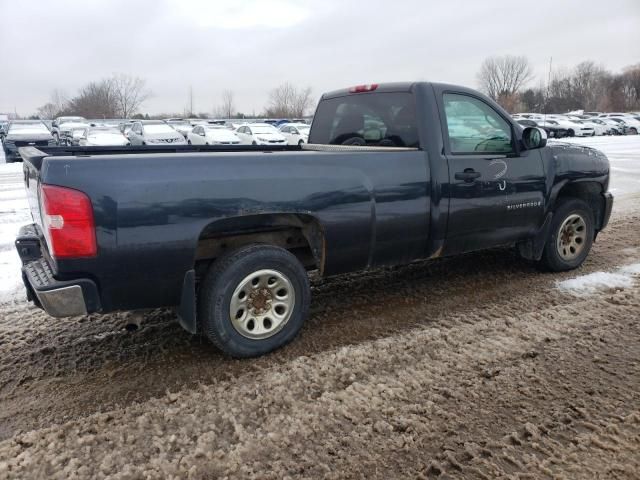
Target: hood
{"x": 164, "y": 136}
{"x": 222, "y": 135}
{"x": 28, "y": 137}
{"x": 569, "y": 158}
{"x": 107, "y": 139}
{"x": 271, "y": 135}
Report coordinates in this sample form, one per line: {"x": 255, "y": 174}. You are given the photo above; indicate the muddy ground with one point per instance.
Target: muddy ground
{"x": 469, "y": 367}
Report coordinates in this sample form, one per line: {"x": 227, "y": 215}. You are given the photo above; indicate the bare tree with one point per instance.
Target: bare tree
{"x": 228, "y": 107}
{"x": 502, "y": 77}
{"x": 96, "y": 99}
{"x": 48, "y": 111}
{"x": 287, "y": 101}
{"x": 58, "y": 102}
{"x": 130, "y": 93}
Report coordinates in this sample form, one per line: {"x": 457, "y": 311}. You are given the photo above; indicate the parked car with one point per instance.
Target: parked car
{"x": 3, "y": 130}
{"x": 62, "y": 126}
{"x": 599, "y": 127}
{"x": 181, "y": 125}
{"x": 552, "y": 127}
{"x": 102, "y": 136}
{"x": 154, "y": 132}
{"x": 211, "y": 134}
{"x": 573, "y": 127}
{"x": 295, "y": 133}
{"x": 227, "y": 236}
{"x": 260, "y": 134}
{"x": 23, "y": 133}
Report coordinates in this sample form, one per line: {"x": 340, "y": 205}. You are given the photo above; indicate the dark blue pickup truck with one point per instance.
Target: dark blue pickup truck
{"x": 392, "y": 173}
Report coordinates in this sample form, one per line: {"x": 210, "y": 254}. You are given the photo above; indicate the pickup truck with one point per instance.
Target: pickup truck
{"x": 393, "y": 173}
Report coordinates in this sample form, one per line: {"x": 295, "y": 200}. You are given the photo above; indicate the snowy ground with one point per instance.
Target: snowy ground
{"x": 476, "y": 366}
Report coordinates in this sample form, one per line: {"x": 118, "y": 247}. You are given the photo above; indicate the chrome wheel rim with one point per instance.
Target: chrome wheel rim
{"x": 572, "y": 237}
{"x": 262, "y": 304}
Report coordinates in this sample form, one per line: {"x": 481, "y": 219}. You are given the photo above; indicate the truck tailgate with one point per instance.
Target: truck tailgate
{"x": 32, "y": 162}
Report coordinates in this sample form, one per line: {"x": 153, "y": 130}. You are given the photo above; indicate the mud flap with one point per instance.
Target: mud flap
{"x": 532, "y": 249}
{"x": 187, "y": 308}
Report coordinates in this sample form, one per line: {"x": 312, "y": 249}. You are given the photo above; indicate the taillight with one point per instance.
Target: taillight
{"x": 363, "y": 88}
{"x": 68, "y": 222}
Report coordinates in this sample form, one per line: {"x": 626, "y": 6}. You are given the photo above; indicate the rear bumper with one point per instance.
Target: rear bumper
{"x": 59, "y": 298}
{"x": 608, "y": 206}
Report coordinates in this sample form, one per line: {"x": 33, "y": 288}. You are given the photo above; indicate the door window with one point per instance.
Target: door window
{"x": 474, "y": 127}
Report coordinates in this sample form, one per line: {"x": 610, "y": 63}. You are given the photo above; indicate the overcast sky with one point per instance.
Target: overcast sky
{"x": 251, "y": 46}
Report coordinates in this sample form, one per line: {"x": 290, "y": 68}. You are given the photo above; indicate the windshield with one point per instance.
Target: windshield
{"x": 264, "y": 129}
{"x": 158, "y": 128}
{"x": 179, "y": 123}
{"x": 35, "y": 128}
{"x": 304, "y": 129}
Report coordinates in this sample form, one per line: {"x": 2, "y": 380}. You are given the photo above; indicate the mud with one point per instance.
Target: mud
{"x": 470, "y": 367}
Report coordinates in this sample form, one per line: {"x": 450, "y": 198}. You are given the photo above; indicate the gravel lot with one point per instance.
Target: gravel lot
{"x": 470, "y": 367}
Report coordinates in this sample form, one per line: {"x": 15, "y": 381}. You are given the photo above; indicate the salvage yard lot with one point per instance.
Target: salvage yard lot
{"x": 475, "y": 367}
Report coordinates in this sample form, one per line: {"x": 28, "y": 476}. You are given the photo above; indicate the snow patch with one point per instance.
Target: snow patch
{"x": 592, "y": 283}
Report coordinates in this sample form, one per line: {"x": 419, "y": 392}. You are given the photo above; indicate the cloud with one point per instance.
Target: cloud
{"x": 251, "y": 46}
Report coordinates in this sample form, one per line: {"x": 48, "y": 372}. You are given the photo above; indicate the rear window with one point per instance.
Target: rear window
{"x": 371, "y": 119}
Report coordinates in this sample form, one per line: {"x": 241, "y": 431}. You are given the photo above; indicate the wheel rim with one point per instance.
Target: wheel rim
{"x": 262, "y": 304}
{"x": 572, "y": 237}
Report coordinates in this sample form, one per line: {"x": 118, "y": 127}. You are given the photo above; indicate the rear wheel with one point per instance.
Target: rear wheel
{"x": 254, "y": 300}
{"x": 571, "y": 133}
{"x": 633, "y": 131}
{"x": 571, "y": 236}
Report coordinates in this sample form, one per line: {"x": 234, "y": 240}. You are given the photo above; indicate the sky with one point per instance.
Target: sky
{"x": 252, "y": 46}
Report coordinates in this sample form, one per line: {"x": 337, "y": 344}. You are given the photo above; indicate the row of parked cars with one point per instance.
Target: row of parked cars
{"x": 116, "y": 132}
{"x": 582, "y": 124}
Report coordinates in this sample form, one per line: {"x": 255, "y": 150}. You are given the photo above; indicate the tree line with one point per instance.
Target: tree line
{"x": 587, "y": 86}
{"x": 122, "y": 96}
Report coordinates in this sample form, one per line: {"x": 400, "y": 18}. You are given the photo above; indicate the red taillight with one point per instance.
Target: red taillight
{"x": 363, "y": 88}
{"x": 68, "y": 222}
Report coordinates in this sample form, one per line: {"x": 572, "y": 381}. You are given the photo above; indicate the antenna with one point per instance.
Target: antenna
{"x": 546, "y": 100}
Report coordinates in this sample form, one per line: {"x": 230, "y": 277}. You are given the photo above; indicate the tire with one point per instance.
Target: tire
{"x": 188, "y": 142}
{"x": 633, "y": 131}
{"x": 228, "y": 287}
{"x": 254, "y": 143}
{"x": 571, "y": 133}
{"x": 301, "y": 142}
{"x": 571, "y": 236}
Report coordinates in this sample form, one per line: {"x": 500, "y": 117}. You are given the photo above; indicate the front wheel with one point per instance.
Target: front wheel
{"x": 571, "y": 236}
{"x": 254, "y": 300}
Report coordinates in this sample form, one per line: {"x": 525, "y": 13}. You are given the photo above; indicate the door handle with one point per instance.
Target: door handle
{"x": 469, "y": 175}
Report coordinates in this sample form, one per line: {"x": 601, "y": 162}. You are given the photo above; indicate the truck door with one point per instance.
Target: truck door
{"x": 496, "y": 193}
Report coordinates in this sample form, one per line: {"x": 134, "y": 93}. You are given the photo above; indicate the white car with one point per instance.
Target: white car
{"x": 295, "y": 133}
{"x": 573, "y": 127}
{"x": 154, "y": 132}
{"x": 260, "y": 134}
{"x": 103, "y": 137}
{"x": 212, "y": 135}
{"x": 600, "y": 125}
{"x": 182, "y": 126}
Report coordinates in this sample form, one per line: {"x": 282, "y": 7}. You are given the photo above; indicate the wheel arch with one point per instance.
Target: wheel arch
{"x": 300, "y": 233}
{"x": 591, "y": 192}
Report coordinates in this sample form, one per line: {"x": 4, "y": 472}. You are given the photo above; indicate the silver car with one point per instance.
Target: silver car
{"x": 154, "y": 132}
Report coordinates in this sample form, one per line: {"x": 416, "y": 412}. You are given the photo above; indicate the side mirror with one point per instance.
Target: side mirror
{"x": 534, "y": 137}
